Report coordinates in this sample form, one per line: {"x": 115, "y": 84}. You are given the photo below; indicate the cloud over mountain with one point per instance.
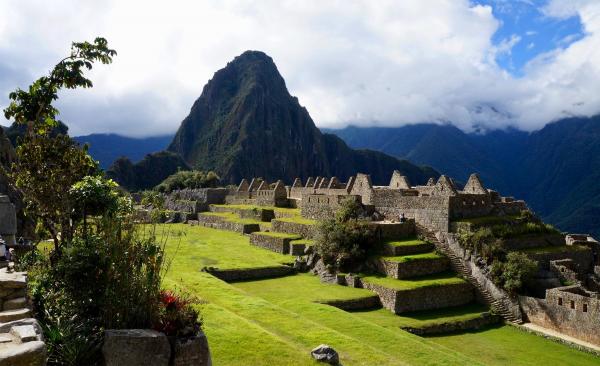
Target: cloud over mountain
{"x": 383, "y": 63}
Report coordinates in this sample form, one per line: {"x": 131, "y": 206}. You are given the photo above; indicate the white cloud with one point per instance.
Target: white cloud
{"x": 385, "y": 62}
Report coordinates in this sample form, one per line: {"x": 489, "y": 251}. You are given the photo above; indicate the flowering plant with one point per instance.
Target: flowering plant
{"x": 177, "y": 316}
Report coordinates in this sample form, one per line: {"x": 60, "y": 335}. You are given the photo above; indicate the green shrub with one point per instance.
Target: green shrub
{"x": 513, "y": 273}
{"x": 487, "y": 240}
{"x": 188, "y": 179}
{"x": 345, "y": 241}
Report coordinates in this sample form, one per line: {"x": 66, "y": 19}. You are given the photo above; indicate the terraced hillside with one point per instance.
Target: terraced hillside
{"x": 279, "y": 320}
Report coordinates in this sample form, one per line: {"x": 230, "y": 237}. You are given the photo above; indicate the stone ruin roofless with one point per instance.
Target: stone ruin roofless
{"x": 432, "y": 205}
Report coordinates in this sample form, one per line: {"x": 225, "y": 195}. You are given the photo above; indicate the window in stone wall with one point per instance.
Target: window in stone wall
{"x": 572, "y": 304}
{"x": 585, "y": 308}
{"x": 560, "y": 301}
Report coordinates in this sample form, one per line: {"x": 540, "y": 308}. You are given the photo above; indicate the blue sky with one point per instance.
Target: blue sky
{"x": 534, "y": 32}
{"x": 485, "y": 63}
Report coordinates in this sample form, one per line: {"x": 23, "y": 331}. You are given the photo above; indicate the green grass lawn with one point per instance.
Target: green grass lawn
{"x": 298, "y": 220}
{"x": 278, "y": 322}
{"x": 507, "y": 345}
{"x": 307, "y": 242}
{"x": 408, "y": 242}
{"x": 304, "y": 287}
{"x": 246, "y": 329}
{"x": 198, "y": 246}
{"x": 435, "y": 280}
{"x": 417, "y": 319}
{"x": 414, "y": 257}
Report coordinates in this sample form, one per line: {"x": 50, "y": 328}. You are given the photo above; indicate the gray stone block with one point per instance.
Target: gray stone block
{"x": 25, "y": 333}
{"x": 135, "y": 347}
{"x": 192, "y": 352}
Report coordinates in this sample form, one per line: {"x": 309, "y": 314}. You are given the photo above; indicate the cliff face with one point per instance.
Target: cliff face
{"x": 247, "y": 124}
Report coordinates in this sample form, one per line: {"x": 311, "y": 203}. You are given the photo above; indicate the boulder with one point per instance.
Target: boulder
{"x": 24, "y": 354}
{"x": 135, "y": 347}
{"x": 325, "y": 353}
{"x": 192, "y": 351}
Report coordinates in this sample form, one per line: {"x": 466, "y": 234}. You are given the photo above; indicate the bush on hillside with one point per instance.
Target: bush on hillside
{"x": 345, "y": 241}
{"x": 188, "y": 179}
{"x": 487, "y": 240}
{"x": 513, "y": 273}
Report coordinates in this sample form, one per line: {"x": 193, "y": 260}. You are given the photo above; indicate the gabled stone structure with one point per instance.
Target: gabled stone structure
{"x": 444, "y": 187}
{"x": 399, "y": 181}
{"x": 297, "y": 183}
{"x": 254, "y": 184}
{"x": 474, "y": 185}
{"x": 244, "y": 186}
{"x": 310, "y": 182}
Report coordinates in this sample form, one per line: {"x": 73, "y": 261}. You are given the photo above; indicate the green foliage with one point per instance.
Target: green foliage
{"x": 48, "y": 162}
{"x": 349, "y": 210}
{"x": 71, "y": 341}
{"x": 147, "y": 173}
{"x": 94, "y": 195}
{"x": 34, "y": 106}
{"x": 188, "y": 179}
{"x": 487, "y": 238}
{"x": 344, "y": 242}
{"x": 45, "y": 165}
{"x": 513, "y": 273}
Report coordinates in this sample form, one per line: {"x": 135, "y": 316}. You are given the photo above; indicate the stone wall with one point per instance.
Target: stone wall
{"x": 273, "y": 243}
{"x": 202, "y": 196}
{"x": 455, "y": 326}
{"x": 582, "y": 257}
{"x": 567, "y": 310}
{"x": 393, "y": 230}
{"x": 232, "y": 275}
{"x": 431, "y": 212}
{"x": 470, "y": 205}
{"x": 323, "y": 206}
{"x": 418, "y": 299}
{"x": 304, "y": 230}
{"x": 413, "y": 268}
{"x": 355, "y": 304}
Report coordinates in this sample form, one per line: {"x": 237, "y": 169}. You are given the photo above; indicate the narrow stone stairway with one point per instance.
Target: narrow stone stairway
{"x": 457, "y": 264}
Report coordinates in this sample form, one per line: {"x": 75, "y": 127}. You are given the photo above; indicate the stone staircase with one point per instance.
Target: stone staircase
{"x": 497, "y": 305}
{"x": 21, "y": 340}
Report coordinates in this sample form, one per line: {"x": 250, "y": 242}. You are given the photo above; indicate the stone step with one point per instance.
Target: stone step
{"x": 420, "y": 293}
{"x": 413, "y": 265}
{"x": 406, "y": 247}
{"x": 25, "y": 333}
{"x": 17, "y": 314}
{"x": 14, "y": 304}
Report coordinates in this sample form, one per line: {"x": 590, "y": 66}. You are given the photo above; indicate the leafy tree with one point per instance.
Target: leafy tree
{"x": 189, "y": 179}
{"x": 513, "y": 273}
{"x": 48, "y": 163}
{"x": 345, "y": 241}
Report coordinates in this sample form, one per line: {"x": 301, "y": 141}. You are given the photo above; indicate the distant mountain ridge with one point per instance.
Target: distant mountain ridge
{"x": 556, "y": 169}
{"x": 106, "y": 148}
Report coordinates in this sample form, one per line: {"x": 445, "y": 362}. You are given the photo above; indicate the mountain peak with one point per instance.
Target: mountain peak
{"x": 247, "y": 124}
